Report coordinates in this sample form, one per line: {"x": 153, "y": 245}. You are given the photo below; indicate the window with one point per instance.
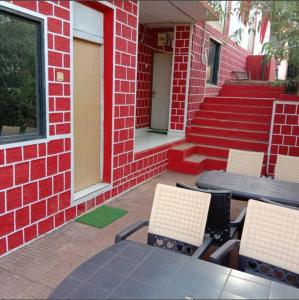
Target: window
{"x": 213, "y": 62}
{"x": 22, "y": 98}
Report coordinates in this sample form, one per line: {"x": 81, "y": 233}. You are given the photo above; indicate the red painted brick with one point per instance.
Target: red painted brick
{"x": 52, "y": 205}
{"x": 51, "y": 165}
{"x": 2, "y": 202}
{"x": 45, "y": 226}
{"x": 22, "y": 173}
{"x": 38, "y": 168}
{"x": 30, "y": 152}
{"x": 81, "y": 208}
{"x": 3, "y": 246}
{"x": 1, "y": 157}
{"x": 59, "y": 219}
{"x": 55, "y": 25}
{"x": 29, "y": 193}
{"x": 290, "y": 109}
{"x": 66, "y": 29}
{"x": 64, "y": 162}
{"x": 58, "y": 183}
{"x": 7, "y": 223}
{"x": 64, "y": 200}
{"x": 55, "y": 147}
{"x": 61, "y": 13}
{"x": 45, "y": 8}
{"x": 66, "y": 60}
{"x": 32, "y": 5}
{"x": 42, "y": 150}
{"x": 13, "y": 155}
{"x": 293, "y": 120}
{"x": 70, "y": 213}
{"x": 55, "y": 59}
{"x": 289, "y": 140}
{"x": 62, "y": 43}
{"x": 45, "y": 188}
{"x": 55, "y": 89}
{"x": 14, "y": 198}
{"x": 6, "y": 177}
{"x": 67, "y": 180}
{"x": 30, "y": 233}
{"x": 63, "y": 128}
{"x": 38, "y": 211}
{"x": 22, "y": 217}
{"x": 15, "y": 240}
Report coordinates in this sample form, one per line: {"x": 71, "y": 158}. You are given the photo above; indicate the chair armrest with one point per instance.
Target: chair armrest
{"x": 204, "y": 247}
{"x": 122, "y": 235}
{"x": 240, "y": 219}
{"x": 218, "y": 256}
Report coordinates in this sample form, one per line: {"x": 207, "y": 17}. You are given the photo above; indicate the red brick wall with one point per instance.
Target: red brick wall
{"x": 179, "y": 82}
{"x": 232, "y": 58}
{"x": 285, "y": 139}
{"x": 144, "y": 77}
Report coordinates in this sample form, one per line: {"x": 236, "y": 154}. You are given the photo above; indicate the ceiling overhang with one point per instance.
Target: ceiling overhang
{"x": 175, "y": 12}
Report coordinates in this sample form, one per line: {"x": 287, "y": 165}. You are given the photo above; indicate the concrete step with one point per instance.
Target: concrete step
{"x": 265, "y": 102}
{"x": 239, "y": 125}
{"x": 233, "y": 116}
{"x": 229, "y": 142}
{"x": 230, "y": 133}
{"x": 240, "y": 109}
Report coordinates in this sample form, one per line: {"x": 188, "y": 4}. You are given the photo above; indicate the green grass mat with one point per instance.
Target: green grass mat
{"x": 102, "y": 216}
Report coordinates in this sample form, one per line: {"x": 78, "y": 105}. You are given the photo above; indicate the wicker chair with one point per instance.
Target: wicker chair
{"x": 219, "y": 226}
{"x": 245, "y": 162}
{"x": 177, "y": 221}
{"x": 269, "y": 244}
{"x": 287, "y": 168}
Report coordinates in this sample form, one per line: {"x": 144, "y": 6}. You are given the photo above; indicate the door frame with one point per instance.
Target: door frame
{"x": 109, "y": 24}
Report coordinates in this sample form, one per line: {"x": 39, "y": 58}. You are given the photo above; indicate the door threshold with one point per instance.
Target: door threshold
{"x": 159, "y": 131}
{"x": 91, "y": 192}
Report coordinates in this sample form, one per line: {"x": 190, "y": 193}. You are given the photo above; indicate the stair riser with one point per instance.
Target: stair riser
{"x": 256, "y": 136}
{"x": 231, "y": 125}
{"x": 242, "y": 145}
{"x": 239, "y": 101}
{"x": 214, "y": 152}
{"x": 233, "y": 117}
{"x": 251, "y": 94}
{"x": 186, "y": 167}
{"x": 242, "y": 109}
{"x": 263, "y": 88}
{"x": 214, "y": 164}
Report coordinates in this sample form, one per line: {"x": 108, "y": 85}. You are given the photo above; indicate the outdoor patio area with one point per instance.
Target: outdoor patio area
{"x": 36, "y": 269}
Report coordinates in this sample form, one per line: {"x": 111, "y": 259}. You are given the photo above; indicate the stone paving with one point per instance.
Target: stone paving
{"x": 36, "y": 269}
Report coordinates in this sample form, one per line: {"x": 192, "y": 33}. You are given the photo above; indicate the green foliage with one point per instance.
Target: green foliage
{"x": 18, "y": 49}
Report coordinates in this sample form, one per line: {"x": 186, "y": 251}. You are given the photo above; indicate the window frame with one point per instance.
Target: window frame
{"x": 216, "y": 64}
{"x": 40, "y": 79}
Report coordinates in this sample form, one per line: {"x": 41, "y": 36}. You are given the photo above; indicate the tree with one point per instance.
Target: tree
{"x": 284, "y": 42}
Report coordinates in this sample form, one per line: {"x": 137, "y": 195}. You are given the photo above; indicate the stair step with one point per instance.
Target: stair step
{"x": 229, "y": 143}
{"x": 241, "y": 125}
{"x": 241, "y": 109}
{"x": 196, "y": 158}
{"x": 183, "y": 146}
{"x": 266, "y": 102}
{"x": 249, "y": 93}
{"x": 233, "y": 116}
{"x": 242, "y": 134}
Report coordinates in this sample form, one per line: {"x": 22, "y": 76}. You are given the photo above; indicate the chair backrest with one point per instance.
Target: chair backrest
{"x": 178, "y": 218}
{"x": 287, "y": 168}
{"x": 31, "y": 130}
{"x": 218, "y": 223}
{"x": 245, "y": 162}
{"x": 10, "y": 130}
{"x": 270, "y": 242}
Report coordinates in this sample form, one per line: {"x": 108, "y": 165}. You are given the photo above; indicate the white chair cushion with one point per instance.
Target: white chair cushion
{"x": 287, "y": 168}
{"x": 245, "y": 162}
{"x": 270, "y": 235}
{"x": 179, "y": 214}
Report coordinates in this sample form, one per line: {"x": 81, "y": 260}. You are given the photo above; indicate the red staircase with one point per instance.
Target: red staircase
{"x": 239, "y": 117}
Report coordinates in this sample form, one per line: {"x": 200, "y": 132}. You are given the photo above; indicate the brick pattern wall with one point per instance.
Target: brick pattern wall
{"x": 285, "y": 139}
{"x": 179, "y": 82}
{"x": 144, "y": 77}
{"x": 233, "y": 58}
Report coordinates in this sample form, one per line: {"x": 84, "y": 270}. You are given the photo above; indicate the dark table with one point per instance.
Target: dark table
{"x": 133, "y": 270}
{"x": 250, "y": 187}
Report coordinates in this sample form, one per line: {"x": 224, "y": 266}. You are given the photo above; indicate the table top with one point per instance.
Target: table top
{"x": 251, "y": 187}
{"x": 132, "y": 270}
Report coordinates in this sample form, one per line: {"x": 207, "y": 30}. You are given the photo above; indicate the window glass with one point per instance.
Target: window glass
{"x": 213, "y": 62}
{"x": 20, "y": 78}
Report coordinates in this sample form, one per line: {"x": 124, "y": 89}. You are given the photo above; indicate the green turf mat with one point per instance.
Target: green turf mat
{"x": 102, "y": 216}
